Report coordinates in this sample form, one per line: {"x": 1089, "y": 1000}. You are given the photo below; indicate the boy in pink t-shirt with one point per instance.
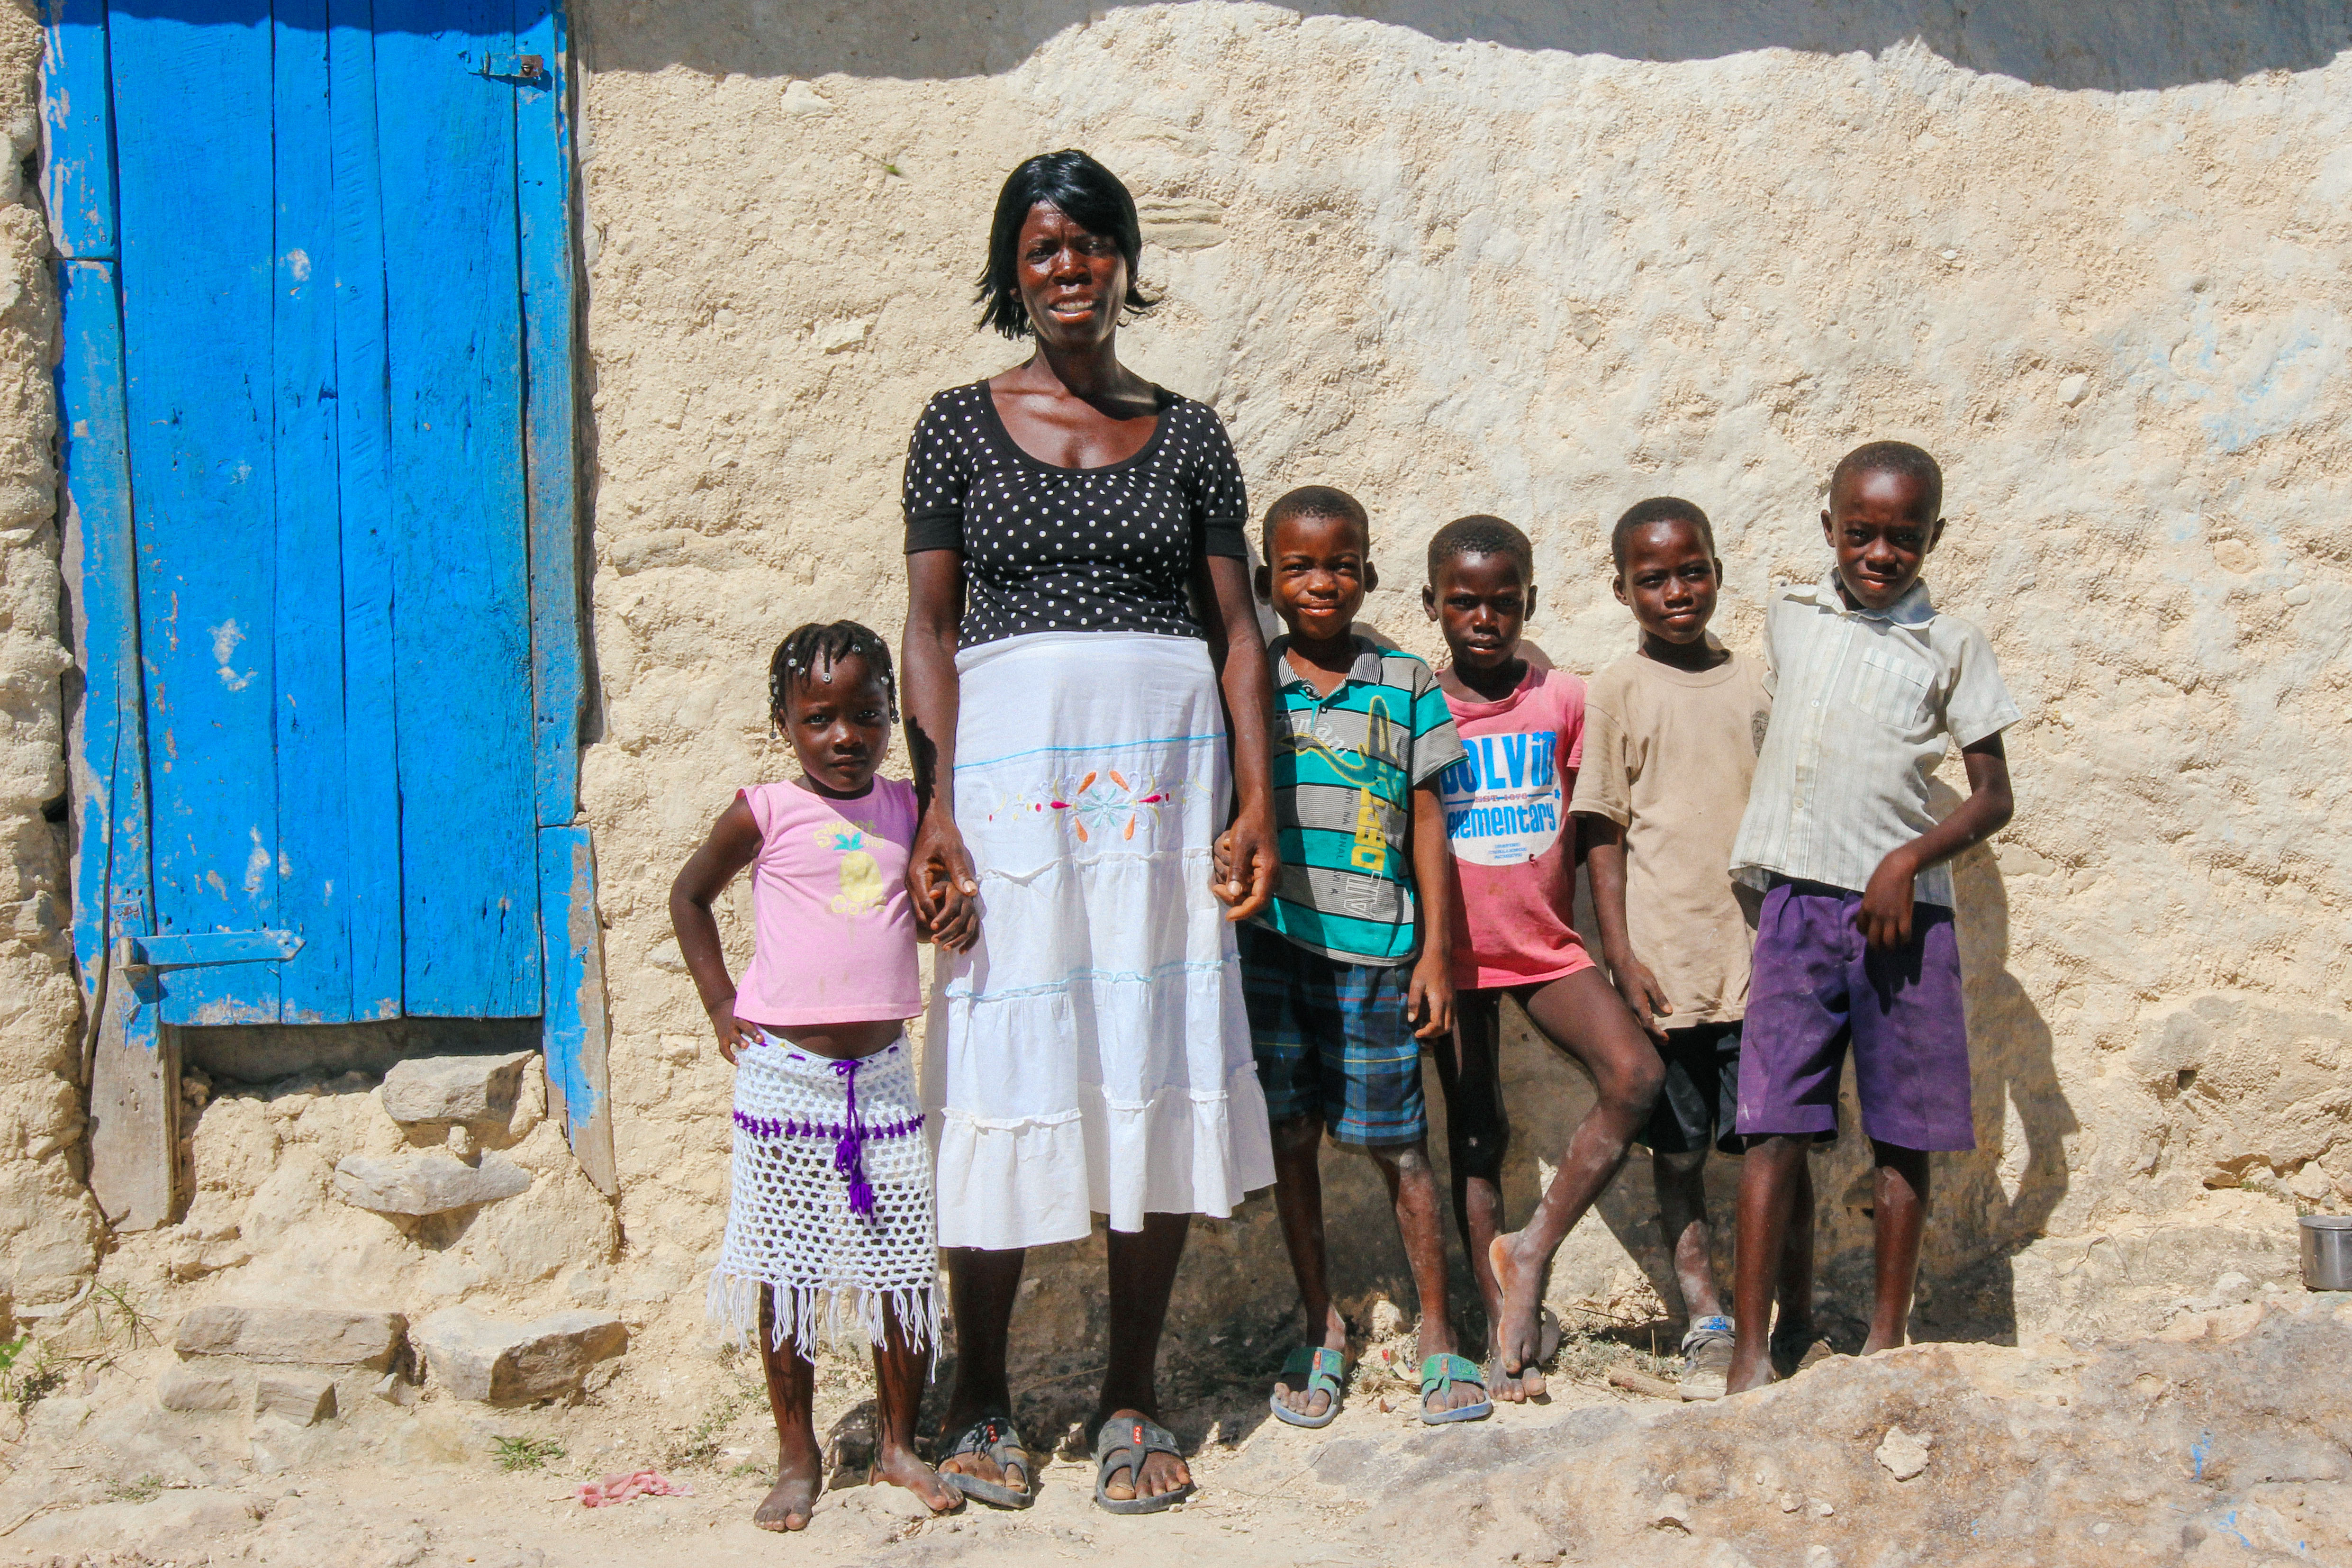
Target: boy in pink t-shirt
{"x": 1515, "y": 882}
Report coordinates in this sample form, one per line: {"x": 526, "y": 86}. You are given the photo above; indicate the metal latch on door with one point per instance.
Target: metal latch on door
{"x": 514, "y": 67}
{"x": 197, "y": 948}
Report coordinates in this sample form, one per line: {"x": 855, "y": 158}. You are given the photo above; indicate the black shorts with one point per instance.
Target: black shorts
{"x": 1698, "y": 1103}
{"x": 1700, "y": 1097}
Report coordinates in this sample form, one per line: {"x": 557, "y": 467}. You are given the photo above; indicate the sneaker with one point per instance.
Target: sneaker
{"x": 1707, "y": 1358}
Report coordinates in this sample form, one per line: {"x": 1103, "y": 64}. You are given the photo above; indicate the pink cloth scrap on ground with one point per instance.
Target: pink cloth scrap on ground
{"x": 629, "y": 1485}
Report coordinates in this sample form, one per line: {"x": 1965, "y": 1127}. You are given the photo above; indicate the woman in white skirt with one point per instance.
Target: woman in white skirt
{"x": 1079, "y": 628}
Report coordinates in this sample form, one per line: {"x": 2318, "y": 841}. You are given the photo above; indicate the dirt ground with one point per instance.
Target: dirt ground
{"x": 2226, "y": 1438}
{"x": 474, "y": 1514}
{"x": 113, "y": 1483}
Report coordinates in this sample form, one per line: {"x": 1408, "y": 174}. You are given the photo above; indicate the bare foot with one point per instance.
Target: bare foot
{"x": 1793, "y": 1345}
{"x": 900, "y": 1468}
{"x": 1518, "y": 1335}
{"x": 1513, "y": 1390}
{"x": 1757, "y": 1373}
{"x": 1507, "y": 1387}
{"x": 1161, "y": 1472}
{"x": 792, "y": 1499}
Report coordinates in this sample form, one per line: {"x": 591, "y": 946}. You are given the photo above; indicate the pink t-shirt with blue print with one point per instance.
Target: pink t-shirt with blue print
{"x": 1507, "y": 822}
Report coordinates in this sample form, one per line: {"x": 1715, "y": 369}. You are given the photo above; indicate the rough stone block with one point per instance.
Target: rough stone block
{"x": 305, "y": 1398}
{"x": 426, "y": 1184}
{"x": 196, "y": 1388}
{"x": 312, "y": 1336}
{"x": 455, "y": 1088}
{"x": 498, "y": 1363}
{"x": 1904, "y": 1455}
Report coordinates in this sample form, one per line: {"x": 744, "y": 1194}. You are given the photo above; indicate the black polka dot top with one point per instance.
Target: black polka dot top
{"x": 1048, "y": 549}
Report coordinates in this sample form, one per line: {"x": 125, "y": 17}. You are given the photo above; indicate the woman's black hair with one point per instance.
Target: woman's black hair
{"x": 1088, "y": 194}
{"x": 817, "y": 645}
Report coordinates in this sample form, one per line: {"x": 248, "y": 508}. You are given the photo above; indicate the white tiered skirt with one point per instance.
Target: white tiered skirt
{"x": 1090, "y": 1054}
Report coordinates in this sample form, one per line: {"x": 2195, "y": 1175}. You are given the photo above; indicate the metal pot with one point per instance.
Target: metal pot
{"x": 2327, "y": 1252}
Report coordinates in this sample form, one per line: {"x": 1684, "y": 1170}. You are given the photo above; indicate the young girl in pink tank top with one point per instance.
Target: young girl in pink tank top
{"x": 831, "y": 1220}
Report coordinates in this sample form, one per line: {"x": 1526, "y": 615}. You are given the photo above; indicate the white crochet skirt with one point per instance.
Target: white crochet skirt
{"x": 831, "y": 1211}
{"x": 1090, "y": 1055}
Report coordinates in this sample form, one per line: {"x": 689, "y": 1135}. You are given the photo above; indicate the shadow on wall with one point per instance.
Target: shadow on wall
{"x": 1992, "y": 1203}
{"x": 2051, "y": 43}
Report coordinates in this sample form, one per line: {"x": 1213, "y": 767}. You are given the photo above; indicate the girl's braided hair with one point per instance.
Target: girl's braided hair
{"x": 818, "y": 645}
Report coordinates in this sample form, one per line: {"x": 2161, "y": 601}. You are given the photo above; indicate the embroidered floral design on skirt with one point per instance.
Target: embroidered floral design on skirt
{"x": 1101, "y": 801}
{"x": 1090, "y": 1055}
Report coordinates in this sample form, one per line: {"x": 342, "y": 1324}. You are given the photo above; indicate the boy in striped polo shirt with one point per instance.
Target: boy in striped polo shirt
{"x": 1342, "y": 974}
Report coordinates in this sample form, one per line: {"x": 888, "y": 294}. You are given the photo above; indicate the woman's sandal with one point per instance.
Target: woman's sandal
{"x": 1325, "y": 1371}
{"x": 1123, "y": 1444}
{"x": 993, "y": 1437}
{"x": 1439, "y": 1373}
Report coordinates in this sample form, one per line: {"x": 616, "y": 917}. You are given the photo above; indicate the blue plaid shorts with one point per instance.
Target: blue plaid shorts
{"x": 1333, "y": 1038}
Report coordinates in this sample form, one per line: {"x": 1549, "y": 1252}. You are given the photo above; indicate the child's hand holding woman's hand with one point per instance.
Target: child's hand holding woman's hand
{"x": 940, "y": 884}
{"x": 1243, "y": 863}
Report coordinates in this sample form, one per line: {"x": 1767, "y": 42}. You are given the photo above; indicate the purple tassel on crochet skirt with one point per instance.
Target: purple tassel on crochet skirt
{"x": 849, "y": 1155}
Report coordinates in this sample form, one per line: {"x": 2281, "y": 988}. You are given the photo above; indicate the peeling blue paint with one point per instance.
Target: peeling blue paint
{"x": 336, "y": 400}
{"x": 574, "y": 1027}
{"x": 2252, "y": 382}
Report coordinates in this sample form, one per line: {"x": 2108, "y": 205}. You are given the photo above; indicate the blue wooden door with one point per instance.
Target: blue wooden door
{"x": 323, "y": 340}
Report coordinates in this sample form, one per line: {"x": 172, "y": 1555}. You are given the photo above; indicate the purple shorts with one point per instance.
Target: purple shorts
{"x": 1817, "y": 987}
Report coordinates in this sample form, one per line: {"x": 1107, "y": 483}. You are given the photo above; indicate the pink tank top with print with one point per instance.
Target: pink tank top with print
{"x": 833, "y": 928}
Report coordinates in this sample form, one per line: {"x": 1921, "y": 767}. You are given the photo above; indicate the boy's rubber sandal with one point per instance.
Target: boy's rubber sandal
{"x": 1323, "y": 1369}
{"x": 1439, "y": 1373}
{"x": 993, "y": 1437}
{"x": 1123, "y": 1444}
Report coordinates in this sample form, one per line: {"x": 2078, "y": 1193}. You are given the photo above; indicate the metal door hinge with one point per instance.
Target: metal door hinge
{"x": 514, "y": 67}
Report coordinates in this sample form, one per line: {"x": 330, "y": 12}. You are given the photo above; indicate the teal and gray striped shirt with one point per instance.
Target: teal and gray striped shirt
{"x": 1344, "y": 769}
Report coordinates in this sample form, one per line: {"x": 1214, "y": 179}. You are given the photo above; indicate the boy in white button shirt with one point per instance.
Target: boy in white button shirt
{"x": 1855, "y": 945}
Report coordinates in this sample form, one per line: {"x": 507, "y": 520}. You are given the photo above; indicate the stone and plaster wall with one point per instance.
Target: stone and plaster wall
{"x": 48, "y": 1227}
{"x": 1532, "y": 258}
{"x": 1457, "y": 260}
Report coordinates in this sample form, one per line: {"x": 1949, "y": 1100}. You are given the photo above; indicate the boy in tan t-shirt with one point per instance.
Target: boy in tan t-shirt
{"x": 1670, "y": 742}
